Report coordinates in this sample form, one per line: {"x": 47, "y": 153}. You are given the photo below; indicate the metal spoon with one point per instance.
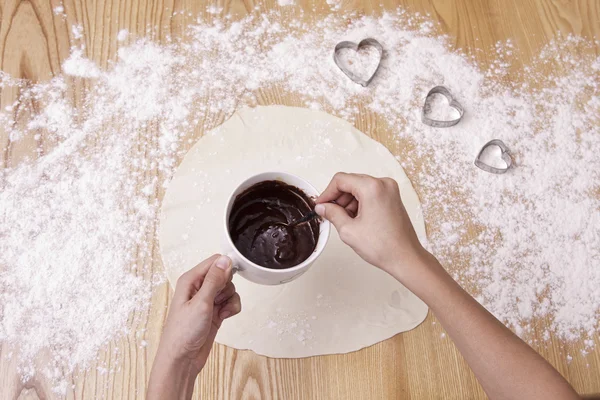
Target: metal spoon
{"x": 269, "y": 226}
{"x": 310, "y": 216}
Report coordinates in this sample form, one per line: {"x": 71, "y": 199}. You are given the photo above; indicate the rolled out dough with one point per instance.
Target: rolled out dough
{"x": 341, "y": 304}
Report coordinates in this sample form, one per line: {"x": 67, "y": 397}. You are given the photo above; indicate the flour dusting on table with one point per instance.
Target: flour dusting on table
{"x": 77, "y": 224}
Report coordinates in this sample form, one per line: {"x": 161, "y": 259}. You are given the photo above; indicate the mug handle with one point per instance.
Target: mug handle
{"x": 235, "y": 260}
{"x": 235, "y": 266}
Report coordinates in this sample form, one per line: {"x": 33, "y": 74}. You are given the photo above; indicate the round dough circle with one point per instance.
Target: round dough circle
{"x": 341, "y": 304}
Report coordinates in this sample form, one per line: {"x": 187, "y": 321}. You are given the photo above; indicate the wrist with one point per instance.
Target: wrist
{"x": 424, "y": 276}
{"x": 172, "y": 377}
{"x": 413, "y": 269}
{"x": 174, "y": 360}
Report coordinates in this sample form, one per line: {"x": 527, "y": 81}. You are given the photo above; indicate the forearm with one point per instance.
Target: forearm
{"x": 171, "y": 380}
{"x": 506, "y": 367}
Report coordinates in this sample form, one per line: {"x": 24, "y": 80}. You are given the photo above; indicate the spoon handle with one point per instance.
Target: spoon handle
{"x": 311, "y": 215}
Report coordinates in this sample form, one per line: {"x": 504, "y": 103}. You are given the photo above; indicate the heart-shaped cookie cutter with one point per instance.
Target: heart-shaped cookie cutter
{"x": 451, "y": 102}
{"x": 369, "y": 42}
{"x": 505, "y": 155}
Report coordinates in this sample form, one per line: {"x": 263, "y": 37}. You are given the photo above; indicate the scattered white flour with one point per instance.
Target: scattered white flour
{"x": 334, "y": 4}
{"x": 122, "y": 35}
{"x": 59, "y": 10}
{"x": 78, "y": 220}
{"x": 77, "y": 31}
{"x": 283, "y": 3}
{"x": 213, "y": 9}
{"x": 77, "y": 65}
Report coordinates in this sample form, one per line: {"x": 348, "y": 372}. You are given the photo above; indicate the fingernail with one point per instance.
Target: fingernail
{"x": 225, "y": 314}
{"x": 320, "y": 209}
{"x": 223, "y": 262}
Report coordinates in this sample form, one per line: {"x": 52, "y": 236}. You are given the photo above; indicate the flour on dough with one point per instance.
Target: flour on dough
{"x": 341, "y": 304}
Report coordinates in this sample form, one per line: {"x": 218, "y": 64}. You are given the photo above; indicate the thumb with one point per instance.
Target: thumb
{"x": 215, "y": 280}
{"x": 333, "y": 213}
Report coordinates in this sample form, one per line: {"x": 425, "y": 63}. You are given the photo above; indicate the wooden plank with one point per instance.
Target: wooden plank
{"x": 415, "y": 365}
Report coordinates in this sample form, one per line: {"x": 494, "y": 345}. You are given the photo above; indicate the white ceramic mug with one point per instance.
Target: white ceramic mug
{"x": 254, "y": 272}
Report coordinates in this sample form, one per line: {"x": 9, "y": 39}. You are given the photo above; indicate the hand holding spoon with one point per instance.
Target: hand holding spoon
{"x": 308, "y": 217}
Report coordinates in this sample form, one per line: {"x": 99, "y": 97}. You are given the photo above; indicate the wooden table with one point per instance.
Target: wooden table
{"x": 417, "y": 364}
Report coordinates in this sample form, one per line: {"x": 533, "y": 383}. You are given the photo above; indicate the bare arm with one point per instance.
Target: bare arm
{"x": 506, "y": 367}
{"x": 203, "y": 299}
{"x": 370, "y": 217}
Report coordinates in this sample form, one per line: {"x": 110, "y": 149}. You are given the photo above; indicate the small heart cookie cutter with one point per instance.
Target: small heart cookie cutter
{"x": 451, "y": 102}
{"x": 505, "y": 155}
{"x": 369, "y": 42}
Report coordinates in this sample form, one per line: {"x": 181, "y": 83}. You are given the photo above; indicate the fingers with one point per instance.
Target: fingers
{"x": 232, "y": 307}
{"x": 340, "y": 184}
{"x": 215, "y": 281}
{"x": 344, "y": 200}
{"x": 225, "y": 293}
{"x": 352, "y": 208}
{"x": 189, "y": 283}
{"x": 335, "y": 214}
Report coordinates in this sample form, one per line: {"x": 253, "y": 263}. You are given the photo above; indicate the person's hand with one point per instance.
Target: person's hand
{"x": 204, "y": 297}
{"x": 370, "y": 217}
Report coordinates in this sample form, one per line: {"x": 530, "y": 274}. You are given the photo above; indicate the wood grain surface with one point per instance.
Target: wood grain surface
{"x": 419, "y": 364}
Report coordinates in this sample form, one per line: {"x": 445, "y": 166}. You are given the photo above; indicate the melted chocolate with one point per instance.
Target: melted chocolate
{"x": 256, "y": 225}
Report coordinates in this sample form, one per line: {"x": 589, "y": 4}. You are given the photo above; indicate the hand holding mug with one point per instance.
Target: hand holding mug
{"x": 204, "y": 297}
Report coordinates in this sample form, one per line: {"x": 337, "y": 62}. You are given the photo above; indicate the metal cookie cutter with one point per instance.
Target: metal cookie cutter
{"x": 452, "y": 103}
{"x": 505, "y": 155}
{"x": 356, "y": 47}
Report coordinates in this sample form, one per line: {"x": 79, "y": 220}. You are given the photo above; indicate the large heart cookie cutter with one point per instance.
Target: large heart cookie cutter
{"x": 369, "y": 42}
{"x": 505, "y": 155}
{"x": 452, "y": 103}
